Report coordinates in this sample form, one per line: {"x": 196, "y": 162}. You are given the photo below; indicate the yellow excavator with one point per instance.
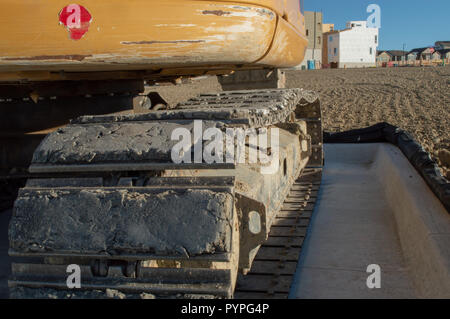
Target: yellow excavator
{"x": 60, "y": 60}
{"x": 154, "y": 40}
{"x": 104, "y": 192}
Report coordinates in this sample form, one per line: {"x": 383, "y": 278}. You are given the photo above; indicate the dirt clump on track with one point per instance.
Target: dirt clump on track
{"x": 412, "y": 98}
{"x": 174, "y": 94}
{"x": 416, "y": 99}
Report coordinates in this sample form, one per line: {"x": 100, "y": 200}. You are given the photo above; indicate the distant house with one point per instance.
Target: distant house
{"x": 397, "y": 55}
{"x": 355, "y": 46}
{"x": 391, "y": 56}
{"x": 383, "y": 57}
{"x": 442, "y": 45}
{"x": 413, "y": 55}
{"x": 445, "y": 53}
{"x": 426, "y": 54}
{"x": 435, "y": 55}
{"x": 326, "y": 37}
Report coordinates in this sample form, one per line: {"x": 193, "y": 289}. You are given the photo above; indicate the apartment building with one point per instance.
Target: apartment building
{"x": 314, "y": 33}
{"x": 355, "y": 46}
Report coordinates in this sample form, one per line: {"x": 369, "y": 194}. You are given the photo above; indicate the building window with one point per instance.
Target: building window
{"x": 307, "y": 32}
{"x": 335, "y": 51}
{"x": 318, "y": 40}
{"x": 376, "y": 39}
{"x": 331, "y": 39}
{"x": 371, "y": 51}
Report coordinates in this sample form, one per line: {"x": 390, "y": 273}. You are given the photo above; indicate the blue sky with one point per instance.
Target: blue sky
{"x": 411, "y": 22}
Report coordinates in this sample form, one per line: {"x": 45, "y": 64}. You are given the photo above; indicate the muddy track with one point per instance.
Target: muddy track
{"x": 275, "y": 264}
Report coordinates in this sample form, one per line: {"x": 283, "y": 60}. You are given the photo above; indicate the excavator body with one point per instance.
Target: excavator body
{"x": 51, "y": 41}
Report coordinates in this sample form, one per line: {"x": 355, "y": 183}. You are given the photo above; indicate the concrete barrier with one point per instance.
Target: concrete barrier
{"x": 423, "y": 224}
{"x": 374, "y": 208}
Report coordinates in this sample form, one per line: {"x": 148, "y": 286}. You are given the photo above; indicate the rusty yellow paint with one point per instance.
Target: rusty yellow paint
{"x": 73, "y": 76}
{"x": 288, "y": 9}
{"x": 147, "y": 35}
{"x": 288, "y": 47}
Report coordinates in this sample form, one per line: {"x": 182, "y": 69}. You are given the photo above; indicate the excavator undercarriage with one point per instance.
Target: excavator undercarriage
{"x": 107, "y": 195}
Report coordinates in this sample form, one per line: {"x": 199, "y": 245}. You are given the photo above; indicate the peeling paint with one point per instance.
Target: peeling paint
{"x": 191, "y": 33}
{"x": 287, "y": 48}
{"x": 163, "y": 42}
{"x": 240, "y": 8}
{"x": 244, "y": 27}
{"x": 247, "y": 14}
{"x": 216, "y": 12}
{"x": 50, "y": 57}
{"x": 265, "y": 12}
{"x": 259, "y": 11}
{"x": 244, "y": 12}
{"x": 176, "y": 25}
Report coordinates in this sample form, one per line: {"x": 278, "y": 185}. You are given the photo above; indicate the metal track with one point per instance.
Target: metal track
{"x": 128, "y": 272}
{"x": 270, "y": 277}
{"x": 276, "y": 262}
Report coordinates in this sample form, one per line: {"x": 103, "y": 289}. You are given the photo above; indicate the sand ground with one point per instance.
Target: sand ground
{"x": 415, "y": 99}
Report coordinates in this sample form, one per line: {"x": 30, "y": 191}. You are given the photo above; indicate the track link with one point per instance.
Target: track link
{"x": 107, "y": 197}
{"x": 276, "y": 262}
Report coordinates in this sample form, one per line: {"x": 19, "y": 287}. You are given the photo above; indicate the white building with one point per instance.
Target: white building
{"x": 356, "y": 46}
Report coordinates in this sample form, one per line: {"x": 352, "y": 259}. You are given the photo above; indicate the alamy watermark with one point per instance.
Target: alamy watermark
{"x": 74, "y": 279}
{"x": 374, "y": 279}
{"x": 234, "y": 145}
{"x": 374, "y": 19}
